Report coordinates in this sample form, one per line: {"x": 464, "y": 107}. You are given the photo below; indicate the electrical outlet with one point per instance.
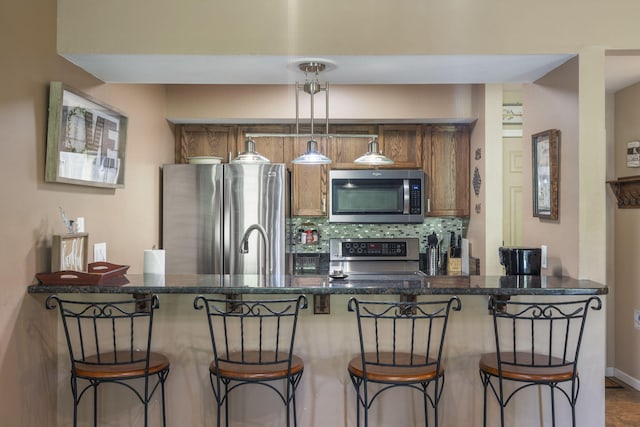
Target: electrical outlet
{"x": 636, "y": 319}
{"x": 99, "y": 252}
{"x": 543, "y": 256}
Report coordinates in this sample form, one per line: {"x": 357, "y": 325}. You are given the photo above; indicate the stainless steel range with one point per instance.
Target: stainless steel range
{"x": 381, "y": 256}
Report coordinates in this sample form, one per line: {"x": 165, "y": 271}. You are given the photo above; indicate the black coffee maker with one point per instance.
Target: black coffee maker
{"x": 520, "y": 261}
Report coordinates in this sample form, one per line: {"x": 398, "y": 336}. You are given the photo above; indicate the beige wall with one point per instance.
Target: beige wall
{"x": 476, "y": 230}
{"x": 627, "y": 235}
{"x": 336, "y": 27}
{"x": 263, "y": 103}
{"x": 127, "y": 219}
{"x": 552, "y": 103}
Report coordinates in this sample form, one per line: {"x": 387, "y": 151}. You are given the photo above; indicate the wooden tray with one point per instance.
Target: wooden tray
{"x": 99, "y": 273}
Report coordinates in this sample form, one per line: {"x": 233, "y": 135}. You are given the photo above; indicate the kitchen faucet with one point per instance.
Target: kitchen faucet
{"x": 244, "y": 248}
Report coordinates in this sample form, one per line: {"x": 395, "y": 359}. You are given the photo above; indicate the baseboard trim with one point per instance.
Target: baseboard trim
{"x": 628, "y": 379}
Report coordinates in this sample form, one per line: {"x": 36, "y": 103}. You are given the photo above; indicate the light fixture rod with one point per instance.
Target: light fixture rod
{"x": 307, "y": 135}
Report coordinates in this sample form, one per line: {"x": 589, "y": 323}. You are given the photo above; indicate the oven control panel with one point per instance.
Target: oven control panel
{"x": 374, "y": 249}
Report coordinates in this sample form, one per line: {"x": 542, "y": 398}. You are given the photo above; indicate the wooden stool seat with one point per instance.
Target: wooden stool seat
{"x": 400, "y": 372}
{"x": 252, "y": 368}
{"x": 537, "y": 372}
{"x": 104, "y": 367}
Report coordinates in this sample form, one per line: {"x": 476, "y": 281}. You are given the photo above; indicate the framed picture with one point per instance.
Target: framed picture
{"x": 633, "y": 154}
{"x": 86, "y": 140}
{"x": 546, "y": 172}
{"x": 512, "y": 114}
{"x": 69, "y": 252}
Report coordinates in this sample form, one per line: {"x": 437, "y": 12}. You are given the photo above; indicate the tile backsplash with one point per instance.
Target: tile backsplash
{"x": 442, "y": 226}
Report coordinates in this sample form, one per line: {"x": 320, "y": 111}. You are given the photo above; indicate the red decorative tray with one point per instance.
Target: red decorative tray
{"x": 99, "y": 273}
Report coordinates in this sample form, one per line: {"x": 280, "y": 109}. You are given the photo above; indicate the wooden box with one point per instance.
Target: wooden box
{"x": 69, "y": 252}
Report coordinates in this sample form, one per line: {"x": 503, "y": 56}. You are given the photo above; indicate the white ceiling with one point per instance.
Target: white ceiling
{"x": 621, "y": 71}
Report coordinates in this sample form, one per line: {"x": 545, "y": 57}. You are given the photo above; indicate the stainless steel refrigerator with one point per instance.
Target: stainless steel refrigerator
{"x": 225, "y": 219}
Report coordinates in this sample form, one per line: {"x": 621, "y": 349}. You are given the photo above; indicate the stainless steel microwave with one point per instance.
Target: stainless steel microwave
{"x": 376, "y": 196}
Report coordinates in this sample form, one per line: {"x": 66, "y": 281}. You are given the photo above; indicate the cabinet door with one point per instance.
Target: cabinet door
{"x": 402, "y": 144}
{"x": 204, "y": 140}
{"x": 309, "y": 184}
{"x": 446, "y": 165}
{"x": 343, "y": 150}
{"x": 275, "y": 148}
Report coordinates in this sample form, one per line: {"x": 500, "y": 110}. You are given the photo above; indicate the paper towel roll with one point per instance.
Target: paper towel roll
{"x": 154, "y": 261}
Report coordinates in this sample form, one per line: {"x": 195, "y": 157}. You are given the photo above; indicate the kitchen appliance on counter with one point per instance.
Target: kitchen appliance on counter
{"x": 376, "y": 196}
{"x": 376, "y": 256}
{"x": 225, "y": 219}
{"x": 520, "y": 260}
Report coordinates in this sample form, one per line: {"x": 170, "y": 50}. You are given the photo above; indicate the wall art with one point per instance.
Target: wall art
{"x": 86, "y": 140}
{"x": 546, "y": 173}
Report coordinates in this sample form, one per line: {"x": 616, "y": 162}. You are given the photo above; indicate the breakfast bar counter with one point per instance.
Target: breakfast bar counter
{"x": 326, "y": 340}
{"x": 385, "y": 284}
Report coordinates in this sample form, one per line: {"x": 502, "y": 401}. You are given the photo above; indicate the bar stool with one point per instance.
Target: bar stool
{"x": 537, "y": 343}
{"x": 110, "y": 342}
{"x": 401, "y": 345}
{"x": 253, "y": 344}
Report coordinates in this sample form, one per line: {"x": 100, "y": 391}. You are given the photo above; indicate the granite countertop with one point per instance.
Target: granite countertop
{"x": 390, "y": 284}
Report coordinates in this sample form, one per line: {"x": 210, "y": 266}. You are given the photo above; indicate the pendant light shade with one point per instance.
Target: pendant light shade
{"x": 373, "y": 156}
{"x": 312, "y": 156}
{"x": 250, "y": 155}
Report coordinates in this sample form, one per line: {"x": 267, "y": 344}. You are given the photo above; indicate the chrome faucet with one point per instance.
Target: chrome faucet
{"x": 244, "y": 248}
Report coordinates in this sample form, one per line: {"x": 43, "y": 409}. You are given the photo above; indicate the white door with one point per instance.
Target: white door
{"x": 512, "y": 156}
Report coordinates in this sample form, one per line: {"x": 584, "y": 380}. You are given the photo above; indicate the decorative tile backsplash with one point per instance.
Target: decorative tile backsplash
{"x": 441, "y": 226}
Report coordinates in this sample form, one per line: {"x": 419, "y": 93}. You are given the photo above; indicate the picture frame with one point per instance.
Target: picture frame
{"x": 512, "y": 114}
{"x": 69, "y": 252}
{"x": 546, "y": 173}
{"x": 633, "y": 154}
{"x": 86, "y": 140}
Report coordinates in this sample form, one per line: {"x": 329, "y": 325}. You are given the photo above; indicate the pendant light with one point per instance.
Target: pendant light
{"x": 311, "y": 86}
{"x": 312, "y": 156}
{"x": 373, "y": 157}
{"x": 250, "y": 155}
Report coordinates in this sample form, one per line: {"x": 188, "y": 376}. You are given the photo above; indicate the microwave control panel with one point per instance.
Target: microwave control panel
{"x": 415, "y": 197}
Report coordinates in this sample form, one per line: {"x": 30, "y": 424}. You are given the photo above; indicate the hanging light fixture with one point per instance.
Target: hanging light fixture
{"x": 250, "y": 155}
{"x": 312, "y": 156}
{"x": 311, "y": 86}
{"x": 373, "y": 156}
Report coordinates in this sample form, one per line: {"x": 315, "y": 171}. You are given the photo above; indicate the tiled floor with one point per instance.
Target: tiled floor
{"x": 622, "y": 404}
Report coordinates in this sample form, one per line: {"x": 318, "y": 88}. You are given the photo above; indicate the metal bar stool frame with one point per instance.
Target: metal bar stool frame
{"x": 539, "y": 345}
{"x": 262, "y": 359}
{"x": 410, "y": 357}
{"x": 110, "y": 342}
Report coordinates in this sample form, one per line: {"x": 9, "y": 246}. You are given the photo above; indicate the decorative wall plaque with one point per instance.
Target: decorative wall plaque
{"x": 476, "y": 181}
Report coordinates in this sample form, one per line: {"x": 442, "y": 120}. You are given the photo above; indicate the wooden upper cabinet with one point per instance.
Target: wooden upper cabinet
{"x": 309, "y": 183}
{"x": 446, "y": 165}
{"x": 278, "y": 149}
{"x": 204, "y": 140}
{"x": 402, "y": 144}
{"x": 344, "y": 150}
